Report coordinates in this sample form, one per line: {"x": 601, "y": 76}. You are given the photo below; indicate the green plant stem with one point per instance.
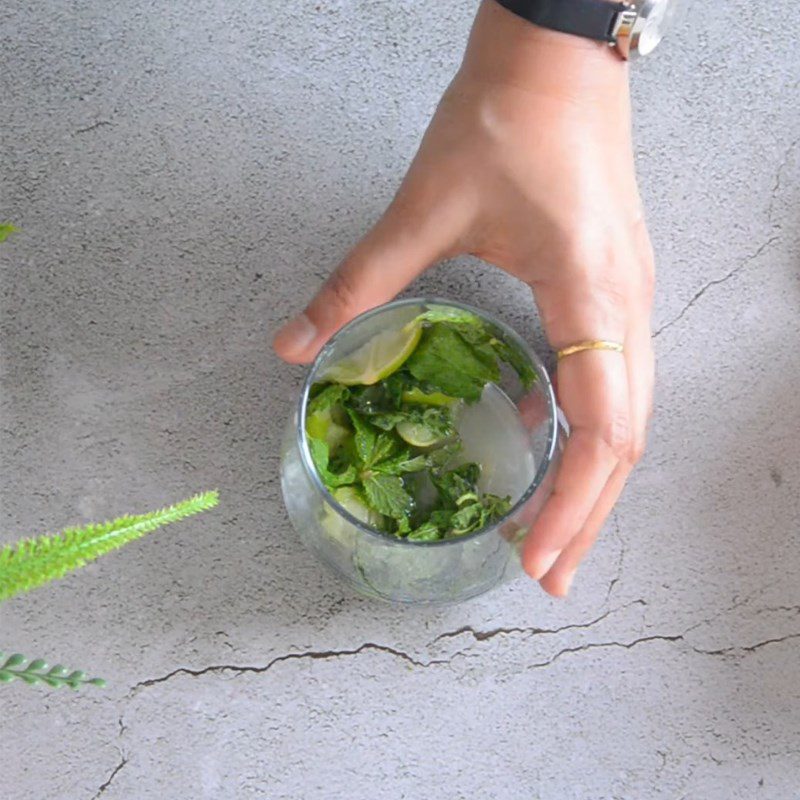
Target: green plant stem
{"x": 29, "y": 563}
{"x": 36, "y": 671}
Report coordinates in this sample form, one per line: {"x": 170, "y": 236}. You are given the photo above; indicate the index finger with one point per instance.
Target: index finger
{"x": 593, "y": 392}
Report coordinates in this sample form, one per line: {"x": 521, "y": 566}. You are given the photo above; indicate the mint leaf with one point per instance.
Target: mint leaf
{"x": 365, "y": 438}
{"x": 476, "y": 513}
{"x": 515, "y": 357}
{"x": 496, "y": 507}
{"x": 457, "y": 483}
{"x": 469, "y": 518}
{"x": 332, "y": 395}
{"x": 371, "y": 444}
{"x": 445, "y": 361}
{"x": 402, "y": 463}
{"x": 483, "y": 334}
{"x": 385, "y": 445}
{"x": 441, "y": 519}
{"x": 442, "y": 455}
{"x": 387, "y": 421}
{"x": 387, "y": 495}
{"x": 396, "y": 384}
{"x": 450, "y": 314}
{"x": 439, "y": 421}
{"x": 320, "y": 455}
{"x": 427, "y": 532}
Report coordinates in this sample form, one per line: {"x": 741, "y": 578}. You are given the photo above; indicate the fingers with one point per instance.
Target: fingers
{"x": 403, "y": 243}
{"x": 639, "y": 364}
{"x": 594, "y": 395}
{"x": 628, "y": 446}
{"x": 559, "y": 578}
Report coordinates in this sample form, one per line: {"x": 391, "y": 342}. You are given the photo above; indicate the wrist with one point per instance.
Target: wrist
{"x": 506, "y": 49}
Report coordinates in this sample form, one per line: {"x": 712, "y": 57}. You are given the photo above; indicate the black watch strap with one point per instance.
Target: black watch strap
{"x": 592, "y": 19}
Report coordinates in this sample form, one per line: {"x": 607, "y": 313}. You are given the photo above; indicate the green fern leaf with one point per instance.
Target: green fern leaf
{"x": 34, "y": 672}
{"x": 29, "y": 563}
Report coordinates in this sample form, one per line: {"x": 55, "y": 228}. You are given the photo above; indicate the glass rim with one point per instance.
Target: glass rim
{"x": 542, "y": 375}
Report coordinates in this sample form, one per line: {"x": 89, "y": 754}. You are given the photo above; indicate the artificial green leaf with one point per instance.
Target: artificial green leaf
{"x": 445, "y": 361}
{"x": 29, "y": 563}
{"x": 14, "y": 669}
{"x": 6, "y": 229}
{"x": 387, "y": 495}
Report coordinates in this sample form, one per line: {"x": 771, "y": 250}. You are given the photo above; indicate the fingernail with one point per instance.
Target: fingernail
{"x": 568, "y": 580}
{"x": 297, "y": 333}
{"x": 545, "y": 562}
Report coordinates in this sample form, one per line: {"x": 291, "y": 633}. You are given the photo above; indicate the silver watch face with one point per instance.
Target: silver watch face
{"x": 643, "y": 26}
{"x": 656, "y": 24}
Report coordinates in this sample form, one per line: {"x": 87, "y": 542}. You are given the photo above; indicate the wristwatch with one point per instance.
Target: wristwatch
{"x": 632, "y": 28}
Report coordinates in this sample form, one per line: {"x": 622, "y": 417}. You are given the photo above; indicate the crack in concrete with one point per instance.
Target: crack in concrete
{"x": 110, "y": 778}
{"x": 598, "y": 645}
{"x": 716, "y": 282}
{"x": 94, "y": 126}
{"x": 795, "y": 609}
{"x": 742, "y": 651}
{"x": 318, "y": 655}
{"x": 620, "y": 559}
{"x": 477, "y": 635}
{"x": 778, "y": 174}
{"x": 482, "y": 636}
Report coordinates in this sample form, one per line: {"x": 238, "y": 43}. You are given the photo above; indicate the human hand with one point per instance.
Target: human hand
{"x": 528, "y": 164}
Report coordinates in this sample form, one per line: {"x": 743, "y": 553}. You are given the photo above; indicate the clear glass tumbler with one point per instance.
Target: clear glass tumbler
{"x": 380, "y": 565}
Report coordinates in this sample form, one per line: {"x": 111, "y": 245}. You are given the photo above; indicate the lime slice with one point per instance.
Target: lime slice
{"x": 350, "y": 500}
{"x": 378, "y": 358}
{"x": 418, "y": 435}
{"x": 417, "y": 396}
{"x": 322, "y": 426}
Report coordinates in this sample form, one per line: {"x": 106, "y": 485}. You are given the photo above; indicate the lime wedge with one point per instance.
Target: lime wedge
{"x": 378, "y": 358}
{"x": 350, "y": 500}
{"x": 321, "y": 425}
{"x": 417, "y": 396}
{"x": 418, "y": 435}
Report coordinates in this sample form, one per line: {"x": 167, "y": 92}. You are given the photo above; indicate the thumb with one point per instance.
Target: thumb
{"x": 403, "y": 243}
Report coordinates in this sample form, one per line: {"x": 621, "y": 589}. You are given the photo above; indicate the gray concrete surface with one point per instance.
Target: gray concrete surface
{"x": 184, "y": 174}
